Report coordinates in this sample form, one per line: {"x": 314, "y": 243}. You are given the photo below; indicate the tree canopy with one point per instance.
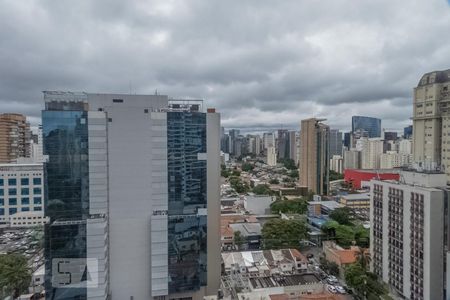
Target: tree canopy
{"x": 262, "y": 189}
{"x": 278, "y": 233}
{"x": 345, "y": 235}
{"x": 365, "y": 283}
{"x": 238, "y": 185}
{"x": 288, "y": 163}
{"x": 341, "y": 215}
{"x": 297, "y": 205}
{"x": 335, "y": 175}
{"x": 15, "y": 275}
{"x": 247, "y": 167}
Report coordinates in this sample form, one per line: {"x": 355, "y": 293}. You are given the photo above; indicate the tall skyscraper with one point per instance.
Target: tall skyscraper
{"x": 335, "y": 142}
{"x": 407, "y": 132}
{"x": 133, "y": 193}
{"x": 283, "y": 144}
{"x": 369, "y": 124}
{"x": 314, "y": 161}
{"x": 15, "y": 138}
{"x": 352, "y": 159}
{"x": 293, "y": 146}
{"x": 271, "y": 156}
{"x": 371, "y": 150}
{"x": 234, "y": 149}
{"x": 347, "y": 140}
{"x": 431, "y": 121}
{"x": 268, "y": 140}
{"x": 407, "y": 221}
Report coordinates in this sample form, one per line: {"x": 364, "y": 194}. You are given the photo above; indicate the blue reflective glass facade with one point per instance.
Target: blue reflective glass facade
{"x": 369, "y": 124}
{"x": 65, "y": 135}
{"x": 187, "y": 220}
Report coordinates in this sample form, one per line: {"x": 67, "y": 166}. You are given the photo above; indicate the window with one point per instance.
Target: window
{"x": 118, "y": 100}
{"x": 25, "y": 201}
{"x": 2, "y": 211}
{"x": 12, "y": 201}
{"x": 37, "y": 200}
{"x": 2, "y": 201}
{"x": 12, "y": 192}
{"x": 12, "y": 210}
{"x": 24, "y": 181}
{"x": 1, "y": 181}
{"x": 37, "y": 191}
{"x": 25, "y": 191}
{"x": 12, "y": 181}
{"x": 37, "y": 181}
{"x": 25, "y": 208}
{"x": 2, "y": 192}
{"x": 37, "y": 208}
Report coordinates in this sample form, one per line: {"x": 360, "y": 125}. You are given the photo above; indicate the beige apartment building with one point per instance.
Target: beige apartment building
{"x": 15, "y": 137}
{"x": 431, "y": 121}
{"x": 314, "y": 156}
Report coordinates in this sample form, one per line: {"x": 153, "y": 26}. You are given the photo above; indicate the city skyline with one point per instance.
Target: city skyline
{"x": 287, "y": 61}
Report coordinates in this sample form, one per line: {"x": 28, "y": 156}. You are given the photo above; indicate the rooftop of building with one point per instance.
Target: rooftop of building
{"x": 330, "y": 204}
{"x": 434, "y": 77}
{"x": 365, "y": 196}
{"x": 376, "y": 171}
{"x": 261, "y": 258}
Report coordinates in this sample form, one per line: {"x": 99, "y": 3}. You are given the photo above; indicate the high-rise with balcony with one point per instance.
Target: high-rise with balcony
{"x": 314, "y": 155}
{"x": 132, "y": 193}
{"x": 15, "y": 138}
{"x": 431, "y": 121}
{"x": 407, "y": 228}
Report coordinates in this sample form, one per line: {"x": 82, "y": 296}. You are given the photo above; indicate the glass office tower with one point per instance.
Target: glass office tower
{"x": 369, "y": 124}
{"x": 132, "y": 196}
{"x": 67, "y": 191}
{"x": 186, "y": 143}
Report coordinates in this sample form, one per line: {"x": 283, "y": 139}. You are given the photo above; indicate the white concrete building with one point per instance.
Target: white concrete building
{"x": 389, "y": 160}
{"x": 28, "y": 219}
{"x": 352, "y": 159}
{"x": 407, "y": 233}
{"x": 337, "y": 164}
{"x": 21, "y": 189}
{"x": 271, "y": 156}
{"x": 371, "y": 149}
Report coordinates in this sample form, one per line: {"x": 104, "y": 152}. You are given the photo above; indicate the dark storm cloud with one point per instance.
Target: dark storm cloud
{"x": 261, "y": 63}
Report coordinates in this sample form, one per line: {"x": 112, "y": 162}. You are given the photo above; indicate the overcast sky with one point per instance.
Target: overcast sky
{"x": 260, "y": 63}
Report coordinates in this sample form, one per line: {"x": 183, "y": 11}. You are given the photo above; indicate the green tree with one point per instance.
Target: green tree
{"x": 293, "y": 173}
{"x": 335, "y": 176}
{"x": 15, "y": 275}
{"x": 262, "y": 189}
{"x": 247, "y": 167}
{"x": 297, "y": 205}
{"x": 225, "y": 173}
{"x": 329, "y": 266}
{"x": 238, "y": 185}
{"x": 289, "y": 163}
{"x": 278, "y": 233}
{"x": 274, "y": 181}
{"x": 341, "y": 215}
{"x": 238, "y": 239}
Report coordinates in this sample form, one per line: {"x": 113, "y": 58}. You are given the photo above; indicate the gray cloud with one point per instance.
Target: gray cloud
{"x": 260, "y": 63}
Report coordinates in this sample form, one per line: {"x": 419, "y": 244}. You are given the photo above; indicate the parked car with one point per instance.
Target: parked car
{"x": 340, "y": 289}
{"x": 331, "y": 289}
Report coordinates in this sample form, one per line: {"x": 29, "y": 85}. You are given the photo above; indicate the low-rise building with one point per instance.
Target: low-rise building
{"x": 317, "y": 208}
{"x": 28, "y": 219}
{"x": 356, "y": 200}
{"x": 21, "y": 189}
{"x": 342, "y": 257}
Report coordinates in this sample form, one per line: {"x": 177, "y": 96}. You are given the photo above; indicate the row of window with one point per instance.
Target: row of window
{"x": 23, "y": 181}
{"x": 24, "y": 201}
{"x": 23, "y": 191}
{"x": 13, "y": 210}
